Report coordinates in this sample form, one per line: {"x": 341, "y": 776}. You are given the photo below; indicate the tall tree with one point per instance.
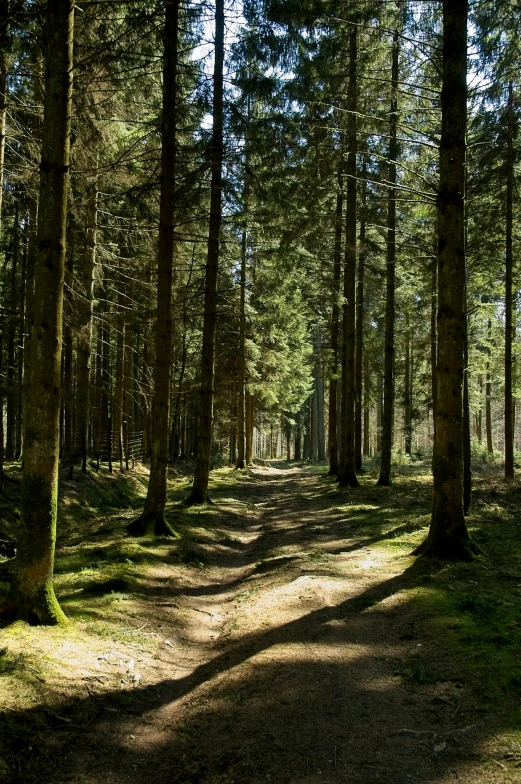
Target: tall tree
{"x": 448, "y": 536}
{"x": 32, "y": 594}
{"x": 199, "y": 493}
{"x": 347, "y": 467}
{"x": 153, "y": 515}
{"x": 389, "y": 384}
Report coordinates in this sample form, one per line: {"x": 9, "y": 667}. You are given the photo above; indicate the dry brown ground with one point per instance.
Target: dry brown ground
{"x": 281, "y": 661}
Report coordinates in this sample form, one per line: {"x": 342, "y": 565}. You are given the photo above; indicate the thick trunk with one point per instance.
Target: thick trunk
{"x": 199, "y": 494}
{"x": 335, "y": 316}
{"x": 347, "y": 468}
{"x": 155, "y": 503}
{"x": 84, "y": 312}
{"x": 509, "y": 411}
{"x": 388, "y": 411}
{"x": 448, "y": 536}
{"x": 32, "y": 593}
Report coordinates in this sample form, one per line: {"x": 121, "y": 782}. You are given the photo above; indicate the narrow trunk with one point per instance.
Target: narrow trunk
{"x": 360, "y": 328}
{"x": 314, "y": 419}
{"x": 335, "y": 317}
{"x": 509, "y": 418}
{"x": 488, "y": 397}
{"x": 155, "y": 503}
{"x": 388, "y": 412}
{"x": 11, "y": 343}
{"x": 68, "y": 351}
{"x": 347, "y": 469}
{"x": 199, "y": 494}
{"x": 117, "y": 407}
{"x": 367, "y": 405}
{"x": 242, "y": 345}
{"x": 407, "y": 402}
{"x": 32, "y": 593}
{"x": 448, "y": 536}
{"x": 298, "y": 436}
{"x": 433, "y": 334}
{"x": 249, "y": 427}
{"x": 467, "y": 467}
{"x": 84, "y": 311}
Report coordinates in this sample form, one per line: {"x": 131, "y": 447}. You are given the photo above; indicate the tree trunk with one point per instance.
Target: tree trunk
{"x": 335, "y": 317}
{"x": 360, "y": 329}
{"x": 11, "y": 346}
{"x": 448, "y": 536}
{"x": 242, "y": 344}
{"x": 347, "y": 469}
{"x": 509, "y": 414}
{"x": 68, "y": 352}
{"x": 488, "y": 397}
{"x": 155, "y": 503}
{"x": 32, "y": 593}
{"x": 249, "y": 427}
{"x": 407, "y": 401}
{"x": 117, "y": 400}
{"x": 433, "y": 335}
{"x": 367, "y": 404}
{"x": 467, "y": 453}
{"x": 388, "y": 411}
{"x": 199, "y": 494}
{"x": 84, "y": 311}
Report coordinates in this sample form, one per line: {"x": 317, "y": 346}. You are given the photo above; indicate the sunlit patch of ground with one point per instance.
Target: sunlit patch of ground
{"x": 287, "y": 635}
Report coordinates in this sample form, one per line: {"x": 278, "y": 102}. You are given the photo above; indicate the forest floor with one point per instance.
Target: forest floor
{"x": 287, "y": 636}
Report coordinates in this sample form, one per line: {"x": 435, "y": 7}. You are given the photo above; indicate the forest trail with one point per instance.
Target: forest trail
{"x": 287, "y": 659}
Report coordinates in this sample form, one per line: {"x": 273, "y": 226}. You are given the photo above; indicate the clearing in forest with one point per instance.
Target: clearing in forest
{"x": 287, "y": 636}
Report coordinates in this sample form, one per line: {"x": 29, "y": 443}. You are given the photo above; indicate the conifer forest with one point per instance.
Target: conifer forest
{"x": 260, "y": 391}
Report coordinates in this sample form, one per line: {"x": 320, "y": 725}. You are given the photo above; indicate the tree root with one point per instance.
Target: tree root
{"x": 149, "y": 524}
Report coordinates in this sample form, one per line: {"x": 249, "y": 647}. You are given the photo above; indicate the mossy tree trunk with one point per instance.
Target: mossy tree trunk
{"x": 448, "y": 536}
{"x": 153, "y": 516}
{"x": 199, "y": 493}
{"x": 32, "y": 594}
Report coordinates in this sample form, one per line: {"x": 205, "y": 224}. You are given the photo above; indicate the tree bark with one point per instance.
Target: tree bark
{"x": 488, "y": 397}
{"x": 155, "y": 503}
{"x": 199, "y": 494}
{"x": 84, "y": 313}
{"x": 388, "y": 410}
{"x": 32, "y": 594}
{"x": 347, "y": 469}
{"x": 241, "y": 441}
{"x": 509, "y": 409}
{"x": 407, "y": 399}
{"x": 335, "y": 317}
{"x": 360, "y": 328}
{"x": 448, "y": 536}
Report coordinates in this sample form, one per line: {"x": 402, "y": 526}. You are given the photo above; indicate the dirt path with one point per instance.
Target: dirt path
{"x": 284, "y": 661}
